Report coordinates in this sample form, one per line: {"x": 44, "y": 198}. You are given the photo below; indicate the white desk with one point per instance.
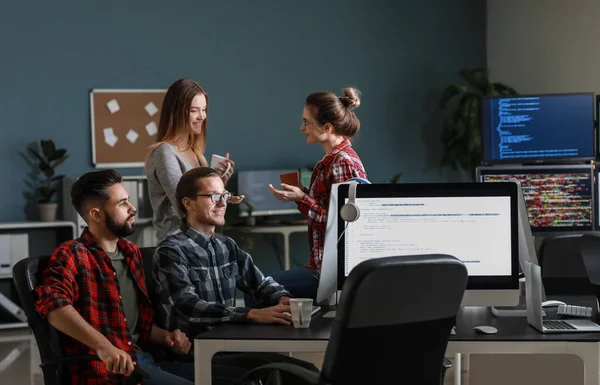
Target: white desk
{"x": 204, "y": 350}
{"x": 514, "y": 336}
{"x": 286, "y": 231}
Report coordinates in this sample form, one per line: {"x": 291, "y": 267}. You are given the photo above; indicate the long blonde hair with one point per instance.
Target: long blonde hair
{"x": 174, "y": 123}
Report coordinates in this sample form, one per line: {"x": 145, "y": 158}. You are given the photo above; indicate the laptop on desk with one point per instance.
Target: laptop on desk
{"x": 533, "y": 280}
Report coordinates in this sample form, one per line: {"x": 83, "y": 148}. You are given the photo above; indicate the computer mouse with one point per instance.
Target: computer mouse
{"x": 552, "y": 303}
{"x": 485, "y": 329}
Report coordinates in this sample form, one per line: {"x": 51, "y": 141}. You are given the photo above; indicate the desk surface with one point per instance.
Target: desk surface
{"x": 509, "y": 329}
{"x": 320, "y": 330}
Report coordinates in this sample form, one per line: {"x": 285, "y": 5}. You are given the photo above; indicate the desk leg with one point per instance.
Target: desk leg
{"x": 590, "y": 355}
{"x": 204, "y": 350}
{"x": 456, "y": 365}
{"x": 286, "y": 250}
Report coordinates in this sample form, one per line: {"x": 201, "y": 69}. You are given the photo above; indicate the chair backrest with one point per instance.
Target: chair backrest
{"x": 406, "y": 305}
{"x": 26, "y": 275}
{"x": 590, "y": 254}
{"x": 563, "y": 270}
{"x": 148, "y": 264}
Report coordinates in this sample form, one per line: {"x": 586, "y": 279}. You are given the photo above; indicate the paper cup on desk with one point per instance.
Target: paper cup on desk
{"x": 216, "y": 161}
{"x": 301, "y": 309}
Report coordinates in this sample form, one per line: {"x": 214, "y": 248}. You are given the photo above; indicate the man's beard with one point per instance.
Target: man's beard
{"x": 120, "y": 230}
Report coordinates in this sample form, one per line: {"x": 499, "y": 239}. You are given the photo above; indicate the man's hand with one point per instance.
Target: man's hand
{"x": 116, "y": 360}
{"x": 270, "y": 315}
{"x": 236, "y": 199}
{"x": 178, "y": 342}
{"x": 284, "y": 300}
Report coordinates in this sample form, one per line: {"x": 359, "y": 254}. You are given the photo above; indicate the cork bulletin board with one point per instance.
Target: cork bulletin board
{"x": 124, "y": 125}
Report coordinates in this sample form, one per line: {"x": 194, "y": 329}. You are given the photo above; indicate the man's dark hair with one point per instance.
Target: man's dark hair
{"x": 93, "y": 186}
{"x": 188, "y": 186}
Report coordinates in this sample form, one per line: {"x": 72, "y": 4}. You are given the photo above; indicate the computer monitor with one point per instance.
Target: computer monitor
{"x": 558, "y": 198}
{"x": 255, "y": 186}
{"x": 474, "y": 222}
{"x": 538, "y": 128}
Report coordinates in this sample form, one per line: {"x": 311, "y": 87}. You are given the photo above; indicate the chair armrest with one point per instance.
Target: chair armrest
{"x": 447, "y": 364}
{"x": 83, "y": 357}
{"x": 309, "y": 376}
{"x": 135, "y": 377}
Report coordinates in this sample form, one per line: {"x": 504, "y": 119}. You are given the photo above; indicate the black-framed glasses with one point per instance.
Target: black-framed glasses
{"x": 216, "y": 197}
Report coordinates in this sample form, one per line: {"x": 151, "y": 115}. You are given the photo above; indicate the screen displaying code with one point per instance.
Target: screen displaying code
{"x": 555, "y": 199}
{"x": 536, "y": 128}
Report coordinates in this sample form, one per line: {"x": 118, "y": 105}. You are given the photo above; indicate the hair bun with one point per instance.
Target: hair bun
{"x": 351, "y": 98}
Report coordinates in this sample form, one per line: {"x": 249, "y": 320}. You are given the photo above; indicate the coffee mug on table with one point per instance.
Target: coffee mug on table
{"x": 301, "y": 309}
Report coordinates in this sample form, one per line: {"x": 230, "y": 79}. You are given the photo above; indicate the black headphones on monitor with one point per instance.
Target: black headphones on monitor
{"x": 350, "y": 211}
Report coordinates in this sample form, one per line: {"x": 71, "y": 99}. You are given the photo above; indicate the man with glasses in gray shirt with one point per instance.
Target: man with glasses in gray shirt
{"x": 197, "y": 271}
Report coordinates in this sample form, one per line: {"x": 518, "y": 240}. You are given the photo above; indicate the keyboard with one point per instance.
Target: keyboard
{"x": 574, "y": 311}
{"x": 557, "y": 325}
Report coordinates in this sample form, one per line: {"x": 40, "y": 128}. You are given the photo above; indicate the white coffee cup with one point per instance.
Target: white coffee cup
{"x": 301, "y": 309}
{"x": 216, "y": 161}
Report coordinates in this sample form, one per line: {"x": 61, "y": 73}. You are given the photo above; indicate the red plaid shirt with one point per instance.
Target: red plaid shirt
{"x": 336, "y": 167}
{"x": 81, "y": 274}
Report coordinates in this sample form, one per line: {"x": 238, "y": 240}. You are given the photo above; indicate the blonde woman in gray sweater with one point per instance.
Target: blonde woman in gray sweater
{"x": 179, "y": 147}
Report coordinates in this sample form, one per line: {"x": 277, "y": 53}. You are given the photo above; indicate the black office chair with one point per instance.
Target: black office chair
{"x": 563, "y": 270}
{"x": 406, "y": 305}
{"x": 590, "y": 254}
{"x": 26, "y": 275}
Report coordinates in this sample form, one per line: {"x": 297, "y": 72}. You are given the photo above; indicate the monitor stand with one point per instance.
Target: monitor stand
{"x": 502, "y": 312}
{"x": 329, "y": 306}
{"x": 514, "y": 311}
{"x": 330, "y": 314}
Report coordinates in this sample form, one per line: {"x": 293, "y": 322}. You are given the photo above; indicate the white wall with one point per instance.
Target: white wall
{"x": 540, "y": 46}
{"x": 544, "y": 46}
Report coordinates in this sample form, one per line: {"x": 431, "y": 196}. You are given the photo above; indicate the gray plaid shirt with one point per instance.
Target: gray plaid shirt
{"x": 196, "y": 279}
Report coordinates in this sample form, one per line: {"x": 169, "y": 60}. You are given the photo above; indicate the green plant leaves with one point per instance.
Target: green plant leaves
{"x": 503, "y": 89}
{"x": 57, "y": 154}
{"x": 477, "y": 78}
{"x": 36, "y": 154}
{"x": 48, "y": 148}
{"x": 461, "y": 133}
{"x": 451, "y": 91}
{"x": 46, "y": 157}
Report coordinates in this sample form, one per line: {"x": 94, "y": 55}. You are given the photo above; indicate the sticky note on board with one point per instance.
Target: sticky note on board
{"x": 151, "y": 109}
{"x": 109, "y": 132}
{"x": 151, "y": 128}
{"x": 111, "y": 140}
{"x": 132, "y": 135}
{"x": 113, "y": 106}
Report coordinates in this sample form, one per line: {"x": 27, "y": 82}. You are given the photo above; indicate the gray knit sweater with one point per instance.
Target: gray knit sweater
{"x": 164, "y": 168}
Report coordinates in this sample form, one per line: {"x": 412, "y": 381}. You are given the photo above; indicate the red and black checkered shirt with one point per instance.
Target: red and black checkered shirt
{"x": 336, "y": 167}
{"x": 81, "y": 274}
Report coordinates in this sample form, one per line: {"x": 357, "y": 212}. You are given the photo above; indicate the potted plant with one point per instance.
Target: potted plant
{"x": 46, "y": 157}
{"x": 461, "y": 134}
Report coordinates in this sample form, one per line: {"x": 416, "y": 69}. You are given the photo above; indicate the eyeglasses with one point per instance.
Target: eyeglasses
{"x": 216, "y": 197}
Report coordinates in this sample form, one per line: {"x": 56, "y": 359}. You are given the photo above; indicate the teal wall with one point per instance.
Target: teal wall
{"x": 257, "y": 60}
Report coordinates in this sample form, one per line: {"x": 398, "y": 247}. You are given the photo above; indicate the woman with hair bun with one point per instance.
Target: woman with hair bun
{"x": 329, "y": 120}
